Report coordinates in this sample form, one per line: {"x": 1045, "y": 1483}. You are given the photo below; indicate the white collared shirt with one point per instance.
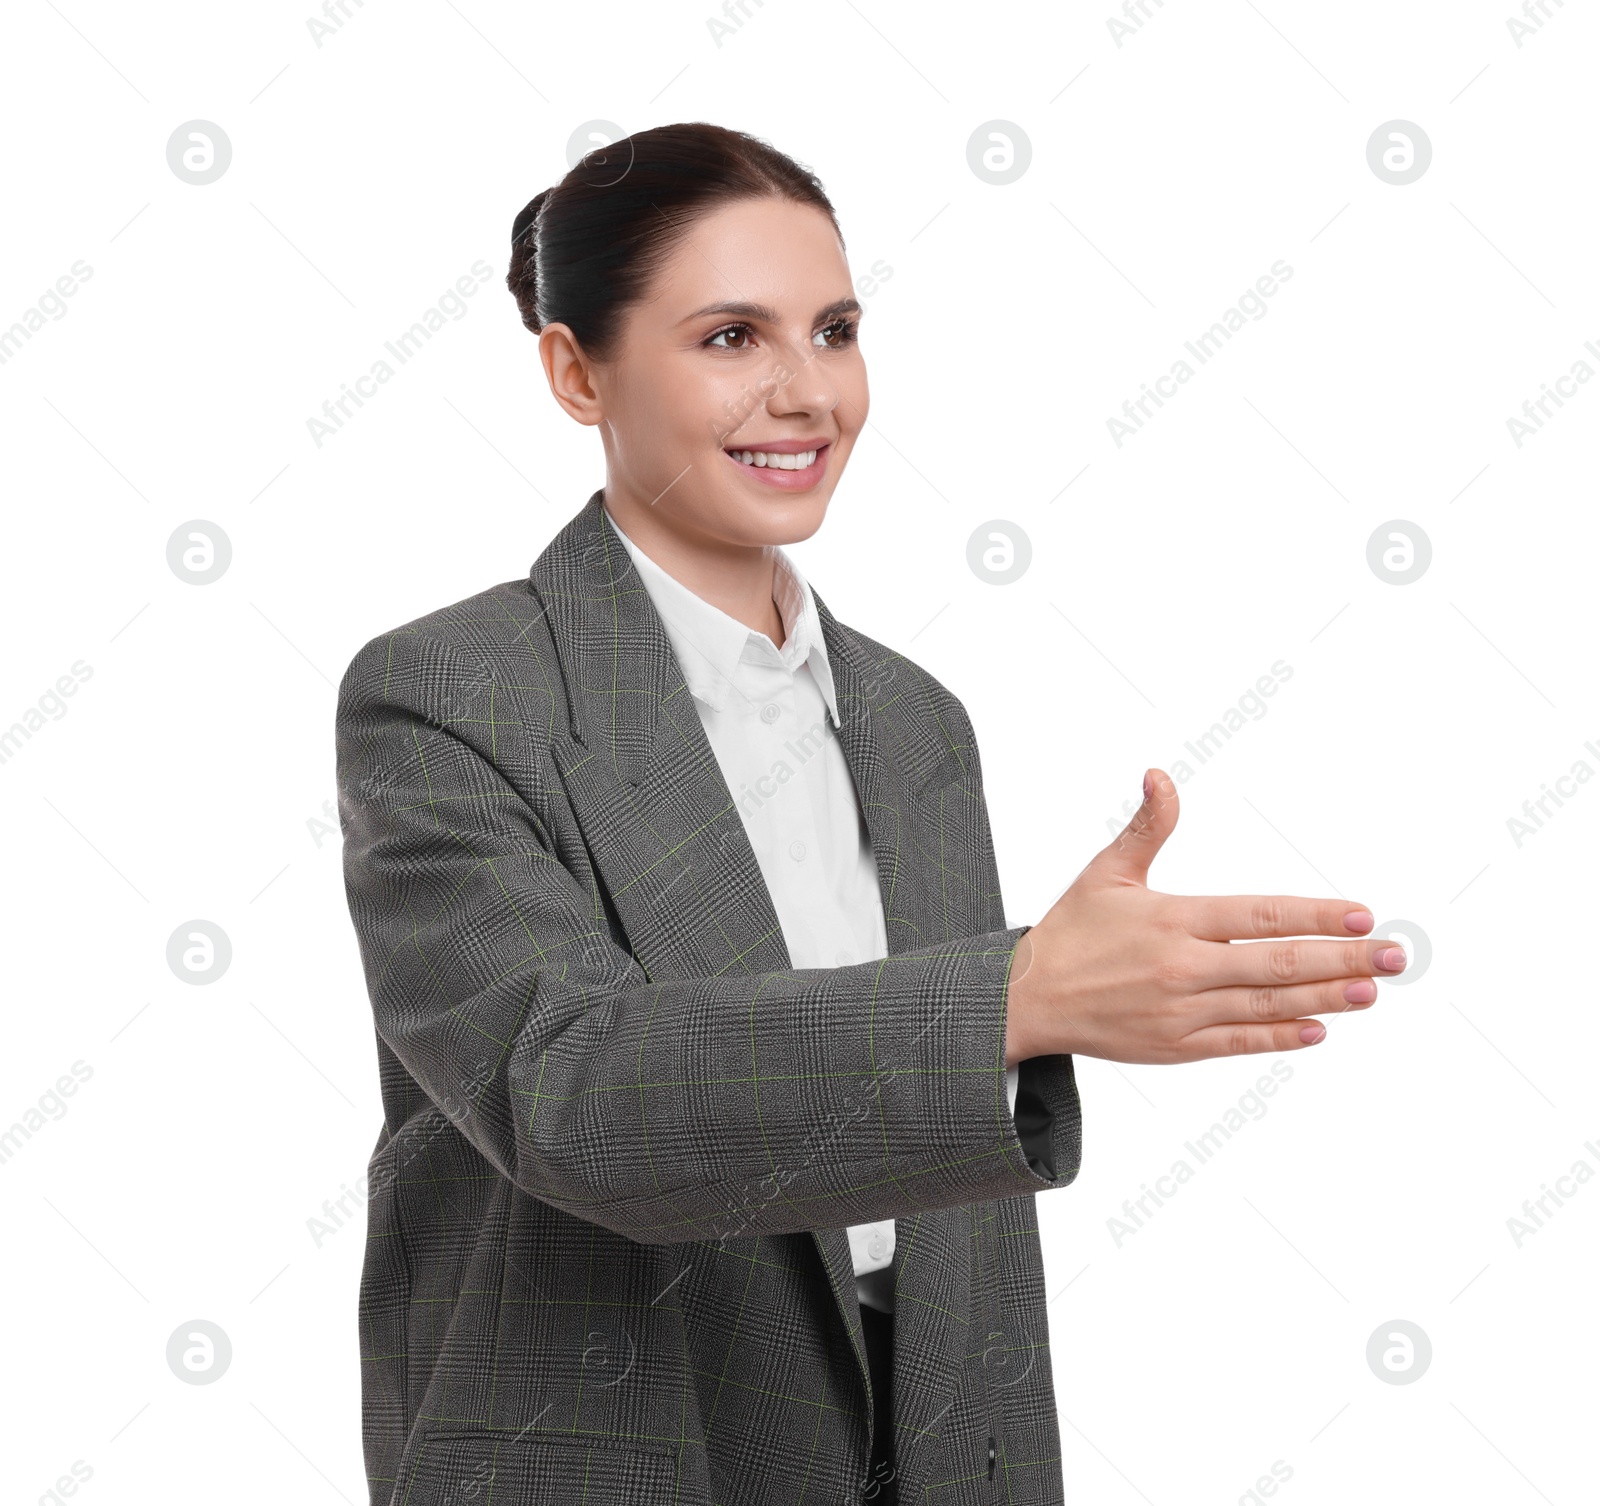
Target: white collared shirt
{"x": 770, "y": 716}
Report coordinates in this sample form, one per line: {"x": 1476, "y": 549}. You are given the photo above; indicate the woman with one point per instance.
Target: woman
{"x": 717, "y": 1088}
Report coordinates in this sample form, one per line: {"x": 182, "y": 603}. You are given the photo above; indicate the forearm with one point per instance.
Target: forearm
{"x": 716, "y": 1107}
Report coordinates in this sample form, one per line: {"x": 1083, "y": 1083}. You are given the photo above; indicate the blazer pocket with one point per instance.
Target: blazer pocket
{"x": 467, "y": 1468}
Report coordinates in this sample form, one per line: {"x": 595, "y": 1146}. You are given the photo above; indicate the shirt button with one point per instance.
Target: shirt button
{"x": 876, "y": 1247}
{"x": 797, "y": 850}
{"x": 770, "y": 713}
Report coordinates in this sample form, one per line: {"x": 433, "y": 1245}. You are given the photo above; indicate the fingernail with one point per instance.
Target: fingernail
{"x": 1391, "y": 959}
{"x": 1358, "y": 920}
{"x": 1311, "y": 1034}
{"x": 1362, "y": 991}
{"x": 1146, "y": 786}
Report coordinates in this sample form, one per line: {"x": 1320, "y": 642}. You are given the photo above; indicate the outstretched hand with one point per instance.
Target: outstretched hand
{"x": 1121, "y": 971}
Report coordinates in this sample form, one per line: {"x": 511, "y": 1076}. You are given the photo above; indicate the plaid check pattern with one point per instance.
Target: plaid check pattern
{"x": 622, "y": 1137}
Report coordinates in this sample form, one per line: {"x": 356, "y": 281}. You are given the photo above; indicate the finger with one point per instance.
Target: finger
{"x": 1251, "y": 1040}
{"x": 1264, "y": 1004}
{"x": 1129, "y": 854}
{"x": 1230, "y": 917}
{"x": 1280, "y": 962}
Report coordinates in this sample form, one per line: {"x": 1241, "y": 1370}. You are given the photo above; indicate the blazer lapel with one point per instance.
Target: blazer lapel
{"x": 669, "y": 843}
{"x": 645, "y": 784}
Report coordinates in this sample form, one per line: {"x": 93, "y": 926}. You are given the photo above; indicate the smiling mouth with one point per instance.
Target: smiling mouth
{"x": 788, "y": 469}
{"x": 779, "y": 460}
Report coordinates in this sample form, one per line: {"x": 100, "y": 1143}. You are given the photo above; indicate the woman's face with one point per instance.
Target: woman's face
{"x": 744, "y": 343}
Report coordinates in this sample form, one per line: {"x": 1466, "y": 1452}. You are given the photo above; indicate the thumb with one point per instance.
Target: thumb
{"x": 1128, "y": 856}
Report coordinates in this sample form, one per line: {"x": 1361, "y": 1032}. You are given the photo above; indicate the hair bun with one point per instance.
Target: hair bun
{"x": 523, "y": 275}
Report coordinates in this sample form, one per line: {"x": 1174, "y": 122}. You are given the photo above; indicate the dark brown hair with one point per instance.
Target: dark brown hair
{"x": 585, "y": 250}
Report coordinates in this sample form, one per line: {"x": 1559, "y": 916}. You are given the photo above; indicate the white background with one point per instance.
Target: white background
{"x": 189, "y": 776}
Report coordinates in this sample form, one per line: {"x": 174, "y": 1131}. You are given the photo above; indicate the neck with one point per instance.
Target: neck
{"x": 735, "y": 578}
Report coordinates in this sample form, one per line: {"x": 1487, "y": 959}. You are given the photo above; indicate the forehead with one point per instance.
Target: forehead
{"x": 770, "y": 250}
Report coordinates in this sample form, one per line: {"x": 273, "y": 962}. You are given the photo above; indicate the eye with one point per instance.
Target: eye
{"x": 844, "y": 331}
{"x": 742, "y": 330}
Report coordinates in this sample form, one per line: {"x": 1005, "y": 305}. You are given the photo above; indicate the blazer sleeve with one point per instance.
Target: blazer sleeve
{"x": 668, "y": 1110}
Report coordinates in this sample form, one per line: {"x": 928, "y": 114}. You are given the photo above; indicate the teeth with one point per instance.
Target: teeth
{"x": 776, "y": 462}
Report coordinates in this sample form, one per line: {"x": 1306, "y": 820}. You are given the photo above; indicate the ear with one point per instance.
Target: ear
{"x": 569, "y": 373}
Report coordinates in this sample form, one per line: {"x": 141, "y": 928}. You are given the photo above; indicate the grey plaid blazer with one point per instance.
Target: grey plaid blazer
{"x": 622, "y": 1137}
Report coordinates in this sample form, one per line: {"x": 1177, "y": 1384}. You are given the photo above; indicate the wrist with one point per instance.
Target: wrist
{"x": 1021, "y": 1002}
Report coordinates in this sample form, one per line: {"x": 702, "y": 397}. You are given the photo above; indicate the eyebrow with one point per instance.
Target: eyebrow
{"x": 763, "y": 315}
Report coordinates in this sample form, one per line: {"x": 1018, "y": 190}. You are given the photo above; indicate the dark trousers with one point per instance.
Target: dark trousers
{"x": 877, "y": 1329}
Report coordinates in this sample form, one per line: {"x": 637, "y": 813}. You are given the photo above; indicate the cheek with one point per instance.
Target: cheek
{"x": 854, "y": 400}
{"x": 710, "y": 400}
{"x": 673, "y": 406}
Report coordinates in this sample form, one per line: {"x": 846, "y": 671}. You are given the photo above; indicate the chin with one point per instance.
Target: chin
{"x": 784, "y": 520}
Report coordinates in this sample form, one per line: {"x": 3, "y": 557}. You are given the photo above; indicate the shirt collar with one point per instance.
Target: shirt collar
{"x": 711, "y": 645}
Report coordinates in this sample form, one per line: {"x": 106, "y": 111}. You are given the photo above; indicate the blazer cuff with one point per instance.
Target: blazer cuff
{"x": 1046, "y": 1116}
